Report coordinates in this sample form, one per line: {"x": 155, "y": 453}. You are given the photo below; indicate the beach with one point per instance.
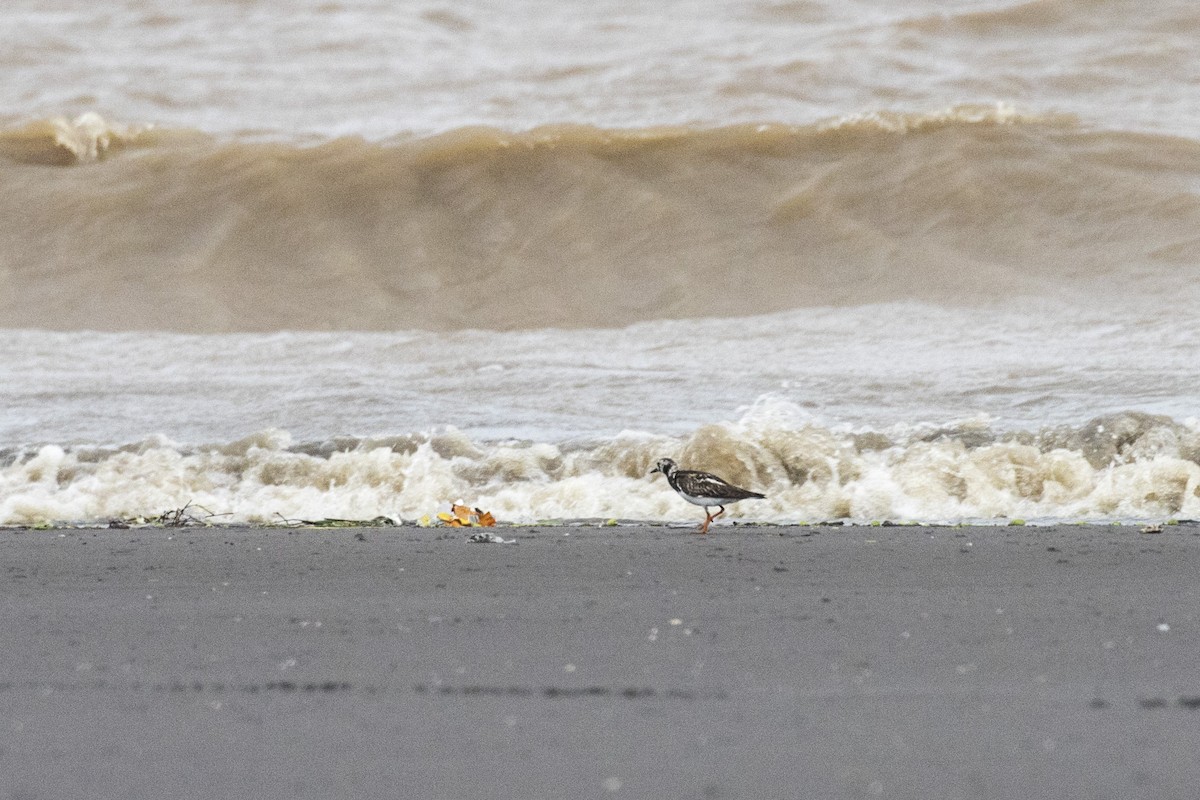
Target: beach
{"x": 596, "y": 661}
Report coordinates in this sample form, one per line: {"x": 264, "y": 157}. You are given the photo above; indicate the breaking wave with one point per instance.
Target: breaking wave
{"x": 113, "y": 228}
{"x": 1122, "y": 466}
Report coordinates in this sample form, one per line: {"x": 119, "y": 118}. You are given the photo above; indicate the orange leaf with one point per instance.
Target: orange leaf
{"x": 486, "y": 519}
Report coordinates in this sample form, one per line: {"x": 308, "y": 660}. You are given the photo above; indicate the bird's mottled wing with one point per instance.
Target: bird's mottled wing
{"x": 705, "y": 484}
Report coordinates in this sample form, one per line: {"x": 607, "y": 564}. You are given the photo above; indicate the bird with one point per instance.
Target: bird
{"x": 703, "y": 489}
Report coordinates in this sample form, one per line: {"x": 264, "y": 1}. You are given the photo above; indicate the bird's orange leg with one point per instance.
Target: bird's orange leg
{"x": 708, "y": 518}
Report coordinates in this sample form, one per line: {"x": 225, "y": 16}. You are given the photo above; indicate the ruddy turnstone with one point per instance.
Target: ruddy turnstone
{"x": 702, "y": 489}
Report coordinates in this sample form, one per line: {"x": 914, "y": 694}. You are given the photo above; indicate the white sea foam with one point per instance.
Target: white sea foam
{"x": 1022, "y": 367}
{"x": 380, "y": 68}
{"x": 1127, "y": 466}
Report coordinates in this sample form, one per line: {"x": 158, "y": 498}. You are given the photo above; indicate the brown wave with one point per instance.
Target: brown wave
{"x": 1029, "y": 16}
{"x": 575, "y": 226}
{"x": 62, "y": 142}
{"x": 1056, "y": 16}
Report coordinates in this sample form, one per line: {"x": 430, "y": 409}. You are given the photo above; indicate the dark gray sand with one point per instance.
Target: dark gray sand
{"x": 639, "y": 662}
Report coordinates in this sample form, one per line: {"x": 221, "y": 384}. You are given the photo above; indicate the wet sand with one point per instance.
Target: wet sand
{"x": 638, "y": 662}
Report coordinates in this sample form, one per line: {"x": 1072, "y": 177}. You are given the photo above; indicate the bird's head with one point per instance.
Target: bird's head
{"x": 665, "y": 465}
